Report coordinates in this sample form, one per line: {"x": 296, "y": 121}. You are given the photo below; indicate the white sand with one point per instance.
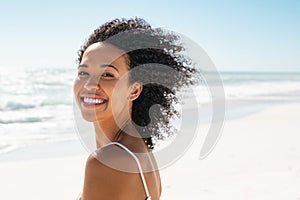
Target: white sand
{"x": 257, "y": 157}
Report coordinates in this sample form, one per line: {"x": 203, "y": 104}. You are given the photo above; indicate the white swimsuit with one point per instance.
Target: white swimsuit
{"x": 139, "y": 167}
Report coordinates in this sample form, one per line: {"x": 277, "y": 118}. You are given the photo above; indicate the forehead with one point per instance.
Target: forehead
{"x": 104, "y": 53}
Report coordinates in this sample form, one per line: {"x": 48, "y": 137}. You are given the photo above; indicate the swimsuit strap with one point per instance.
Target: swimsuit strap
{"x": 139, "y": 167}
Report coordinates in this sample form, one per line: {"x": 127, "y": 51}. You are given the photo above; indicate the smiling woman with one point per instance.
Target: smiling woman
{"x": 125, "y": 69}
{"x": 98, "y": 74}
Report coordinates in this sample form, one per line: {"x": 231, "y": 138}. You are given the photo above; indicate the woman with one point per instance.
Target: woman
{"x": 126, "y": 67}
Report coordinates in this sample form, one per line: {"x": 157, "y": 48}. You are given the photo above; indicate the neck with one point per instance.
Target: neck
{"x": 108, "y": 130}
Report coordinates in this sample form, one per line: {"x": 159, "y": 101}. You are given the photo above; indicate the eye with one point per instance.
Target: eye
{"x": 108, "y": 75}
{"x": 82, "y": 74}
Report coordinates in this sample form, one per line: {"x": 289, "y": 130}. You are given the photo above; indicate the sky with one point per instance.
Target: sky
{"x": 237, "y": 35}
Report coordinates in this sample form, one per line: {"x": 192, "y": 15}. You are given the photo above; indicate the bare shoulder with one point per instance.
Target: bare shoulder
{"x": 109, "y": 174}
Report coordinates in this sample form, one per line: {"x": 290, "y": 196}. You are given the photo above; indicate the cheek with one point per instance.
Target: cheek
{"x": 122, "y": 90}
{"x": 77, "y": 86}
{"x": 120, "y": 94}
{"x": 115, "y": 89}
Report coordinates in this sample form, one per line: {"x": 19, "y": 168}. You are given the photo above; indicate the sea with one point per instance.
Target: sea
{"x": 36, "y": 104}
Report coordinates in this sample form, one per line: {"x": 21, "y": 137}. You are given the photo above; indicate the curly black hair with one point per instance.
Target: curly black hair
{"x": 162, "y": 69}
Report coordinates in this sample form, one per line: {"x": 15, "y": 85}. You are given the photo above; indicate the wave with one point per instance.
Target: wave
{"x": 24, "y": 120}
{"x": 5, "y": 148}
{"x": 54, "y": 102}
{"x": 15, "y": 106}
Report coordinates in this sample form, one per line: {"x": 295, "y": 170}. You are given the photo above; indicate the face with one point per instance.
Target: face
{"x": 101, "y": 89}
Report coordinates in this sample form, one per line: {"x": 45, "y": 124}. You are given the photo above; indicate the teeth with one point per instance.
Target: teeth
{"x": 92, "y": 101}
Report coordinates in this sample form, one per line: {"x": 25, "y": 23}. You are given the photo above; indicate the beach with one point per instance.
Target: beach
{"x": 257, "y": 157}
{"x": 231, "y": 70}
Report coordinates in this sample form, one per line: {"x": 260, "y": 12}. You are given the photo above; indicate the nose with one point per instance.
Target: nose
{"x": 92, "y": 83}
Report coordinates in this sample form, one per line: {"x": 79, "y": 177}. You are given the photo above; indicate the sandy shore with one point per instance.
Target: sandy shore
{"x": 257, "y": 157}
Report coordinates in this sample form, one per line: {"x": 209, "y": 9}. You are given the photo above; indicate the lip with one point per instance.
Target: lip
{"x": 93, "y": 96}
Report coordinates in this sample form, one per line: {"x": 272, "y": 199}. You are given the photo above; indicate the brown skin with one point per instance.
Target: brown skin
{"x": 103, "y": 75}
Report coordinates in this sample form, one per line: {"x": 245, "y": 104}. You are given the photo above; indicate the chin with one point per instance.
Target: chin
{"x": 89, "y": 117}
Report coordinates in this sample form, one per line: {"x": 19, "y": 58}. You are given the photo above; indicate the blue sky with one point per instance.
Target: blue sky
{"x": 237, "y": 35}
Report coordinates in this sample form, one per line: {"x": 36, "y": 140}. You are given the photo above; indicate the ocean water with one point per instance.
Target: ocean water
{"x": 261, "y": 86}
{"x": 37, "y": 104}
{"x": 35, "y": 107}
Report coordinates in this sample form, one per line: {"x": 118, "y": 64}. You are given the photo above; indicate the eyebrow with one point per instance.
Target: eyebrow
{"x": 102, "y": 66}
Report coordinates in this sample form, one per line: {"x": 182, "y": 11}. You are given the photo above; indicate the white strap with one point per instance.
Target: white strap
{"x": 139, "y": 166}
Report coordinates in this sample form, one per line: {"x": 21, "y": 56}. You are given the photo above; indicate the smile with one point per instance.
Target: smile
{"x": 93, "y": 101}
{"x": 90, "y": 101}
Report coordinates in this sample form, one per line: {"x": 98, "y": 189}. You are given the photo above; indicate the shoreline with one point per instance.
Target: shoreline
{"x": 50, "y": 150}
{"x": 234, "y": 110}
